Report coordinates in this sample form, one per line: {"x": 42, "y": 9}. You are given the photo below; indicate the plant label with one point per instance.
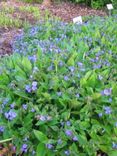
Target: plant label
{"x": 77, "y": 20}
{"x": 109, "y": 6}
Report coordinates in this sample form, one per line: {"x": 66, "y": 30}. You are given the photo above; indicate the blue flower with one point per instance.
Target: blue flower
{"x": 49, "y": 146}
{"x": 2, "y": 129}
{"x": 43, "y": 118}
{"x": 71, "y": 68}
{"x": 80, "y": 64}
{"x": 28, "y": 88}
{"x": 75, "y": 138}
{"x": 33, "y": 110}
{"x": 66, "y": 78}
{"x": 77, "y": 95}
{"x": 24, "y": 148}
{"x": 100, "y": 114}
{"x": 32, "y": 58}
{"x": 68, "y": 123}
{"x": 107, "y": 91}
{"x": 24, "y": 106}
{"x": 12, "y": 105}
{"x": 10, "y": 115}
{"x": 67, "y": 152}
{"x": 68, "y": 133}
{"x": 34, "y": 85}
{"x": 107, "y": 110}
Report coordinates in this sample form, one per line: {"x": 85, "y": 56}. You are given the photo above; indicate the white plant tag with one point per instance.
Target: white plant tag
{"x": 109, "y": 6}
{"x": 78, "y": 20}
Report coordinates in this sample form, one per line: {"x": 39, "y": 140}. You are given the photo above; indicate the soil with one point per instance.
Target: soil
{"x": 66, "y": 11}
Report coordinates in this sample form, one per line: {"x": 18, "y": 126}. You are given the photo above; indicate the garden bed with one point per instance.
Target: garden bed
{"x": 58, "y": 89}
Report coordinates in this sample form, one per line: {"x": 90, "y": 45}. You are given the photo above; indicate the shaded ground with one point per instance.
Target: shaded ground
{"x": 65, "y": 10}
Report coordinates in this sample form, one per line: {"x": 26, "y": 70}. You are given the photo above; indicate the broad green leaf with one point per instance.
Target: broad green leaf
{"x": 41, "y": 150}
{"x": 40, "y": 136}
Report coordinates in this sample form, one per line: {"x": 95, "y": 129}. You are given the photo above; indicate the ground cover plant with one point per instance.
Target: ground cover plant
{"x": 58, "y": 91}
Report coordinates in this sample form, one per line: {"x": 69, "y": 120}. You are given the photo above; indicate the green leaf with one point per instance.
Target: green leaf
{"x": 112, "y": 153}
{"x": 40, "y": 136}
{"x": 21, "y": 94}
{"x": 41, "y": 150}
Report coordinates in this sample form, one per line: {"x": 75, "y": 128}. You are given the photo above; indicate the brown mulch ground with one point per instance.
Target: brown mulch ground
{"x": 65, "y": 10}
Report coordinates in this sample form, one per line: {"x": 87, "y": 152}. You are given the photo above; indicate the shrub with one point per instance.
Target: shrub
{"x": 97, "y": 4}
{"x": 58, "y": 90}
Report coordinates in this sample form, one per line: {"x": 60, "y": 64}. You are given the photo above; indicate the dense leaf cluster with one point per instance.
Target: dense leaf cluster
{"x": 58, "y": 91}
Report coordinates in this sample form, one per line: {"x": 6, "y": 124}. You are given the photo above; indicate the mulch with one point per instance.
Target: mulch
{"x": 66, "y": 11}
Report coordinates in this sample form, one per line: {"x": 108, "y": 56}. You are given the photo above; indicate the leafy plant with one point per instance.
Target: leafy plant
{"x": 58, "y": 89}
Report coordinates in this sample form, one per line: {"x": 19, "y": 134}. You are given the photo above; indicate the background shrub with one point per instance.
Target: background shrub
{"x": 97, "y": 4}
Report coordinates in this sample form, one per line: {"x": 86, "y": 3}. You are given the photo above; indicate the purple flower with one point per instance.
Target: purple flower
{"x": 67, "y": 152}
{"x": 24, "y": 106}
{"x": 43, "y": 118}
{"x": 97, "y": 66}
{"x": 10, "y": 115}
{"x": 24, "y": 148}
{"x": 100, "y": 114}
{"x": 61, "y": 63}
{"x": 34, "y": 85}
{"x": 68, "y": 123}
{"x": 12, "y": 105}
{"x": 71, "y": 68}
{"x": 80, "y": 64}
{"x": 107, "y": 91}
{"x": 32, "y": 110}
{"x": 34, "y": 88}
{"x": 28, "y": 88}
{"x": 2, "y": 129}
{"x": 107, "y": 110}
{"x": 32, "y": 58}
{"x": 68, "y": 133}
{"x": 50, "y": 68}
{"x": 75, "y": 138}
{"x": 66, "y": 78}
{"x": 49, "y": 146}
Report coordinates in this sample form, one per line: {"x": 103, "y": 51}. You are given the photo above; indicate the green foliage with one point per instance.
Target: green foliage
{"x": 58, "y": 91}
{"x": 97, "y": 4}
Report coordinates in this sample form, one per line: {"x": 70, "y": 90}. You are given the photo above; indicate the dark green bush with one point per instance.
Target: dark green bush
{"x": 97, "y": 4}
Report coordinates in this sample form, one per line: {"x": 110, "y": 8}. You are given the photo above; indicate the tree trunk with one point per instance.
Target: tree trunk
{"x": 47, "y": 2}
